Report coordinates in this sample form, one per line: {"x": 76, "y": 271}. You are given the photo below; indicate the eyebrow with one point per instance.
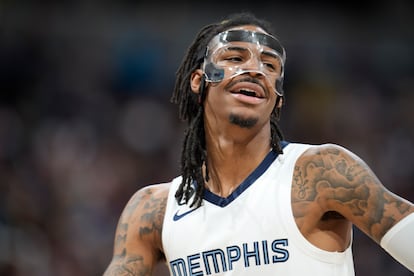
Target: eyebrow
{"x": 265, "y": 53}
{"x": 270, "y": 54}
{"x": 236, "y": 48}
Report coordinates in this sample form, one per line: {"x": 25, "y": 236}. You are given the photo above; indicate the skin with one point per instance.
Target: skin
{"x": 332, "y": 188}
{"x": 137, "y": 245}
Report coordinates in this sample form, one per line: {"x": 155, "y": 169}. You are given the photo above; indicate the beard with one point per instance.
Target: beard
{"x": 242, "y": 122}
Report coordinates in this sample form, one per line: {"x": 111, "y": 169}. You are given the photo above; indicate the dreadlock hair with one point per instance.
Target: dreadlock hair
{"x": 191, "y": 109}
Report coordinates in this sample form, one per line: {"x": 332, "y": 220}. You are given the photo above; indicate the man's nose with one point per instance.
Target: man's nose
{"x": 255, "y": 73}
{"x": 253, "y": 64}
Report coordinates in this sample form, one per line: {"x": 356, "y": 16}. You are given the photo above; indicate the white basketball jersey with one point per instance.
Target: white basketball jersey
{"x": 250, "y": 232}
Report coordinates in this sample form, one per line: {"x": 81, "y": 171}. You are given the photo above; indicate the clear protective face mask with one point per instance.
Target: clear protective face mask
{"x": 235, "y": 52}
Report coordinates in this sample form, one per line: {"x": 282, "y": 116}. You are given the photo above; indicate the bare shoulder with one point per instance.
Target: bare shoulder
{"x": 138, "y": 245}
{"x": 146, "y": 209}
{"x": 326, "y": 150}
{"x": 316, "y": 164}
{"x": 330, "y": 178}
{"x": 334, "y": 161}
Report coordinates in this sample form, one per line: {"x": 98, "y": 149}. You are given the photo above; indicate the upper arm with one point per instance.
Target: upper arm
{"x": 337, "y": 180}
{"x": 137, "y": 245}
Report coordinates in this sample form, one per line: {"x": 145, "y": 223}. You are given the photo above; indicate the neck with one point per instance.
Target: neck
{"x": 232, "y": 157}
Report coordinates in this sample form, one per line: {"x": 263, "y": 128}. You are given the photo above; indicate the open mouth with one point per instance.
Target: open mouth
{"x": 247, "y": 88}
{"x": 248, "y": 92}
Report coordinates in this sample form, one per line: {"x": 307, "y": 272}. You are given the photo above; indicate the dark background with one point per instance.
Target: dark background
{"x": 85, "y": 118}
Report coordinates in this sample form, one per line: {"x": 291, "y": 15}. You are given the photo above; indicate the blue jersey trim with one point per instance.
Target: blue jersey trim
{"x": 263, "y": 166}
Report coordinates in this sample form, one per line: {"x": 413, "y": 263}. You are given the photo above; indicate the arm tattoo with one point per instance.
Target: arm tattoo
{"x": 150, "y": 208}
{"x": 123, "y": 225}
{"x": 153, "y": 216}
{"x": 348, "y": 184}
{"x": 130, "y": 266}
{"x": 120, "y": 238}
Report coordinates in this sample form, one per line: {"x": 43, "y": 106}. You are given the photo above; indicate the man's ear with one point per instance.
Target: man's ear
{"x": 195, "y": 80}
{"x": 279, "y": 102}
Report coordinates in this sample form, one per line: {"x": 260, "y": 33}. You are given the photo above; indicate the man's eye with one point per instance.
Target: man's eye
{"x": 234, "y": 59}
{"x": 270, "y": 66}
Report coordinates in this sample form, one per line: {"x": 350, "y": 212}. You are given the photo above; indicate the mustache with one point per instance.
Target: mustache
{"x": 246, "y": 79}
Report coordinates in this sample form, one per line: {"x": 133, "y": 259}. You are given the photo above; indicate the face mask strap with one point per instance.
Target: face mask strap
{"x": 252, "y": 37}
{"x": 202, "y": 90}
{"x": 279, "y": 86}
{"x": 216, "y": 74}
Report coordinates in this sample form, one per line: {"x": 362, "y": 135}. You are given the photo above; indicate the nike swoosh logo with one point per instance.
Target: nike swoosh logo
{"x": 180, "y": 216}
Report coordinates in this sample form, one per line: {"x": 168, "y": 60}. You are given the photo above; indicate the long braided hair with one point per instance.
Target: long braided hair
{"x": 194, "y": 153}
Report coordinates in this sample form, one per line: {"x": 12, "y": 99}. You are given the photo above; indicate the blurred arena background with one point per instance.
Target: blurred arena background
{"x": 85, "y": 117}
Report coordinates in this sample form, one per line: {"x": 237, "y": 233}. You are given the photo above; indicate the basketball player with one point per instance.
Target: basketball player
{"x": 248, "y": 202}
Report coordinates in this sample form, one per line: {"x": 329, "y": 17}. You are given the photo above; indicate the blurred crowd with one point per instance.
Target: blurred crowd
{"x": 85, "y": 117}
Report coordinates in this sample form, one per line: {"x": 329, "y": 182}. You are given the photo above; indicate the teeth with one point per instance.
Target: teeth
{"x": 248, "y": 92}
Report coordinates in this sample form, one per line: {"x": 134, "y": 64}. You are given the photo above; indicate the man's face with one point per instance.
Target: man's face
{"x": 239, "y": 51}
{"x": 247, "y": 97}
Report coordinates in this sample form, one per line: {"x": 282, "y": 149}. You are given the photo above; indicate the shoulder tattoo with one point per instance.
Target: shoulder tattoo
{"x": 336, "y": 180}
{"x": 142, "y": 218}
